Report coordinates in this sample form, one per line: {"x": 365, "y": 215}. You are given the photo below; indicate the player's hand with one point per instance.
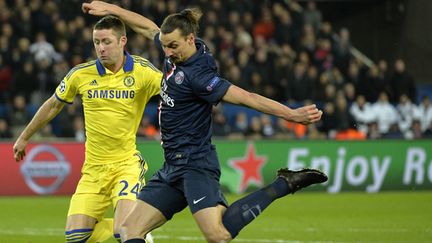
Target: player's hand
{"x": 97, "y": 8}
{"x": 19, "y": 149}
{"x": 307, "y": 114}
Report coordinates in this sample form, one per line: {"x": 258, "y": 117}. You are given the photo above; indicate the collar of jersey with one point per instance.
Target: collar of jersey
{"x": 127, "y": 67}
{"x": 200, "y": 50}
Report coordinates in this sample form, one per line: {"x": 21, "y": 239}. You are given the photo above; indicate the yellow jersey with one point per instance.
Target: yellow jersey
{"x": 113, "y": 104}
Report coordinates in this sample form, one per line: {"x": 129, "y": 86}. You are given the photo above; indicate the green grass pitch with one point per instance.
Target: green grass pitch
{"x": 303, "y": 217}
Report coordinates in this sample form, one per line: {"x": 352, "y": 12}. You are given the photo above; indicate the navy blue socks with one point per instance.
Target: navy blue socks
{"x": 135, "y": 241}
{"x": 243, "y": 211}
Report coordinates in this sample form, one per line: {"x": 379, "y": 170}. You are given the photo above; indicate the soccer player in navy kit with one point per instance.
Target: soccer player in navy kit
{"x": 190, "y": 175}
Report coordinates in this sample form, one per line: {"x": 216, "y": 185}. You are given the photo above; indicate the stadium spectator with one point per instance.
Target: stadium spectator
{"x": 147, "y": 129}
{"x": 267, "y": 130}
{"x": 353, "y": 76}
{"x": 312, "y": 16}
{"x": 300, "y": 85}
{"x": 79, "y": 127}
{"x": 284, "y": 22}
{"x": 394, "y": 132}
{"x": 385, "y": 114}
{"x": 45, "y": 134}
{"x": 67, "y": 117}
{"x": 401, "y": 82}
{"x": 428, "y": 133}
{"x": 254, "y": 130}
{"x": 308, "y": 39}
{"x": 330, "y": 92}
{"x": 416, "y": 130}
{"x": 407, "y": 112}
{"x": 373, "y": 131}
{"x": 383, "y": 73}
{"x": 349, "y": 92}
{"x": 423, "y": 113}
{"x": 344, "y": 119}
{"x": 282, "y": 129}
{"x": 362, "y": 112}
{"x": 374, "y": 85}
{"x": 326, "y": 32}
{"x": 5, "y": 80}
{"x": 19, "y": 114}
{"x": 5, "y": 131}
{"x": 191, "y": 168}
{"x": 264, "y": 27}
{"x": 220, "y": 126}
{"x": 22, "y": 21}
{"x": 298, "y": 130}
{"x": 42, "y": 50}
{"x": 328, "y": 124}
{"x": 240, "y": 123}
{"x": 342, "y": 50}
{"x": 21, "y": 53}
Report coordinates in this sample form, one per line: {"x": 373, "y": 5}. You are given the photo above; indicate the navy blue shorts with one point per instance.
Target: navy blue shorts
{"x": 174, "y": 187}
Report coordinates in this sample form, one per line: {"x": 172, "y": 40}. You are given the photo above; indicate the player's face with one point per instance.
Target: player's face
{"x": 178, "y": 48}
{"x": 109, "y": 47}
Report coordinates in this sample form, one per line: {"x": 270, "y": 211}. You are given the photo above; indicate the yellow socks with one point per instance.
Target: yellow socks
{"x": 103, "y": 230}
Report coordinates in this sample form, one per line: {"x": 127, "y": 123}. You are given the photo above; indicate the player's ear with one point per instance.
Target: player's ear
{"x": 191, "y": 39}
{"x": 123, "y": 40}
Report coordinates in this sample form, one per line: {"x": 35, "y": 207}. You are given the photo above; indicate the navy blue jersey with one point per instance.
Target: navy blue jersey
{"x": 188, "y": 92}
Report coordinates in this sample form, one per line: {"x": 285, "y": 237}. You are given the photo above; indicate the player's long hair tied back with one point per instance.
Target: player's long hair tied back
{"x": 187, "y": 21}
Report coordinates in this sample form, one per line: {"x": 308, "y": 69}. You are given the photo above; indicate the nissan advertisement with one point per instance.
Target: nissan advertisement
{"x": 52, "y": 169}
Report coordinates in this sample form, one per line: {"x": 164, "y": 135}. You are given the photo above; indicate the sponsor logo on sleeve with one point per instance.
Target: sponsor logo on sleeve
{"x": 213, "y": 83}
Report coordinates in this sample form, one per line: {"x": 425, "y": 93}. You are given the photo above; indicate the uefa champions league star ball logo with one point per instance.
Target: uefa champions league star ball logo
{"x": 62, "y": 86}
{"x": 33, "y": 170}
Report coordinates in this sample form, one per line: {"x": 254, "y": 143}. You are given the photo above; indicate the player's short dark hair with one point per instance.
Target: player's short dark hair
{"x": 111, "y": 22}
{"x": 187, "y": 21}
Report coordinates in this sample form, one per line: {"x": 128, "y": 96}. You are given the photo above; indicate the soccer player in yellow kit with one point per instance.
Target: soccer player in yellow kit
{"x": 115, "y": 89}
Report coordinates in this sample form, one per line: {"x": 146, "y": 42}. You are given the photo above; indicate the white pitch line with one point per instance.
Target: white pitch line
{"x": 34, "y": 231}
{"x": 308, "y": 229}
{"x": 161, "y": 233}
{"x": 59, "y": 232}
{"x": 187, "y": 238}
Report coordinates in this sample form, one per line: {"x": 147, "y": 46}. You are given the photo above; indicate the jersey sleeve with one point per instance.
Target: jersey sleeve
{"x": 155, "y": 78}
{"x": 67, "y": 89}
{"x": 207, "y": 83}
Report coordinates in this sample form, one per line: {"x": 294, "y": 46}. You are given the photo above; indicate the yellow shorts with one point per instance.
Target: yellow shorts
{"x": 101, "y": 185}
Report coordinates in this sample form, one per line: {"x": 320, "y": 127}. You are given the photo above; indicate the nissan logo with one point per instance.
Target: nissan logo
{"x": 58, "y": 169}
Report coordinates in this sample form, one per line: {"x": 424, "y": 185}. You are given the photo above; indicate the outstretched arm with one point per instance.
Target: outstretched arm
{"x": 304, "y": 115}
{"x": 46, "y": 113}
{"x": 138, "y": 23}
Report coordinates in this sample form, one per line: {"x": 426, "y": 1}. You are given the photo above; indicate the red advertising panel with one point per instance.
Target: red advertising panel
{"x": 47, "y": 169}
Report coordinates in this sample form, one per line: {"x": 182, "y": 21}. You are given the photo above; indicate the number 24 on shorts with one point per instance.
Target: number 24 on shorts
{"x": 123, "y": 191}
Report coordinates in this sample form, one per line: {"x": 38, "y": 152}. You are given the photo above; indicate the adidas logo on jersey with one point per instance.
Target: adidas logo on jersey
{"x": 93, "y": 82}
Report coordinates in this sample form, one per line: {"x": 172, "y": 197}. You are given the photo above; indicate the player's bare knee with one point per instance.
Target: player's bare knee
{"x": 128, "y": 230}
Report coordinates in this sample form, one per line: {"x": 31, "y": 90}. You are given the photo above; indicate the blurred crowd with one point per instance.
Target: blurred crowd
{"x": 281, "y": 49}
